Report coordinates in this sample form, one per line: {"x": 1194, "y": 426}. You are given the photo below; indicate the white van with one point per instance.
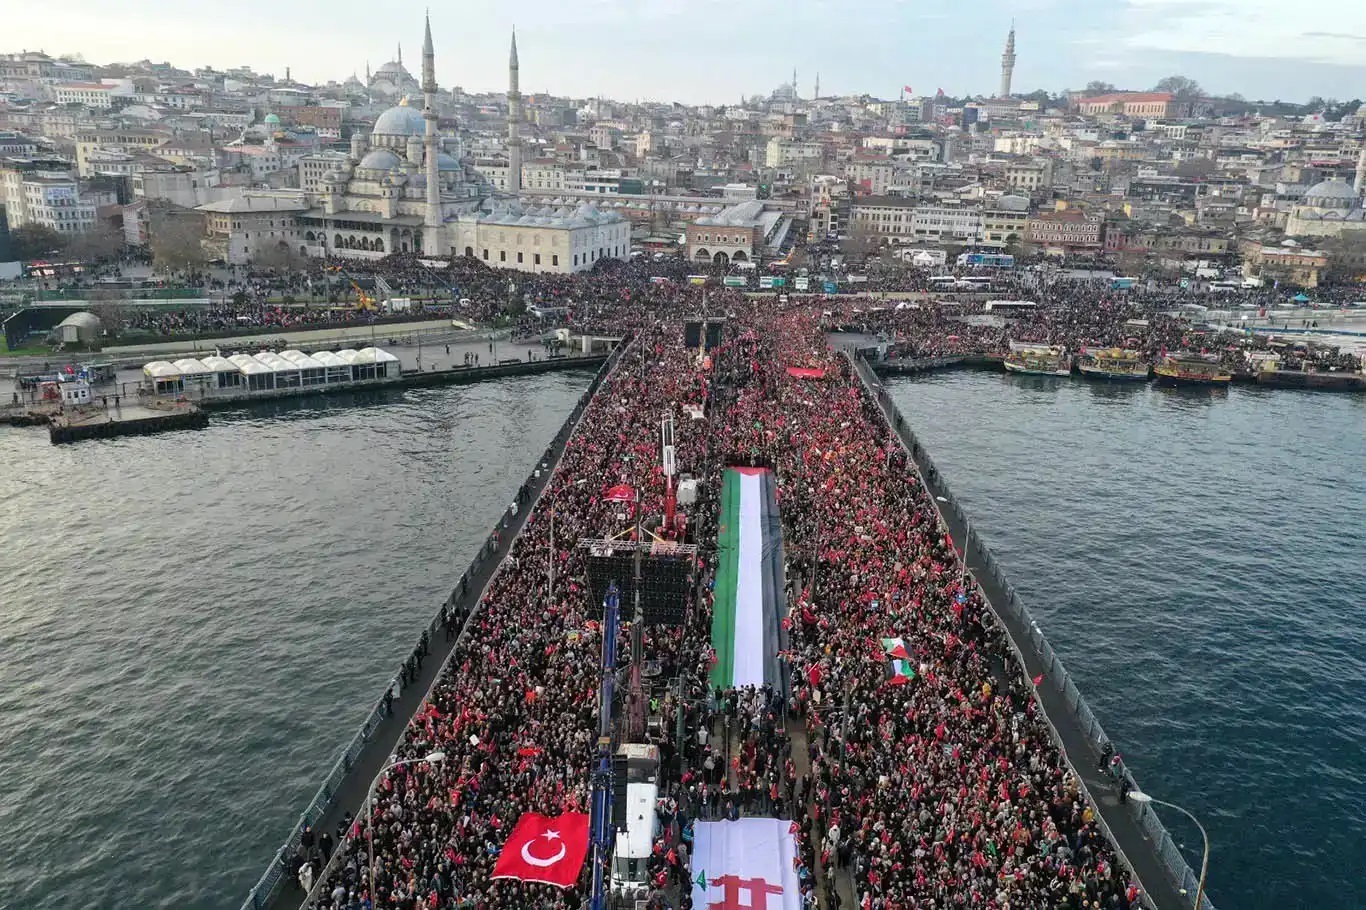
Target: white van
{"x": 630, "y": 878}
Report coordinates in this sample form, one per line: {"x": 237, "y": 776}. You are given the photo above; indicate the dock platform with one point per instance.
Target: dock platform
{"x": 124, "y": 420}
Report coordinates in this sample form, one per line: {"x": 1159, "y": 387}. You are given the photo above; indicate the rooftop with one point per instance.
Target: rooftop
{"x": 249, "y": 203}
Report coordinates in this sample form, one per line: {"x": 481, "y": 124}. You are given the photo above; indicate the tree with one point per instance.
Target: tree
{"x": 101, "y": 242}
{"x": 858, "y": 243}
{"x": 176, "y": 239}
{"x": 107, "y": 305}
{"x": 1182, "y": 87}
{"x": 1096, "y": 87}
{"x": 34, "y": 241}
{"x": 276, "y": 255}
{"x": 1346, "y": 255}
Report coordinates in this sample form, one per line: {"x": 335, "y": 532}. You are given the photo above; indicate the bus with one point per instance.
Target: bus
{"x": 973, "y": 283}
{"x": 1121, "y": 284}
{"x": 1010, "y": 306}
{"x": 986, "y": 260}
{"x": 630, "y": 878}
{"x": 942, "y": 282}
{"x": 1223, "y": 287}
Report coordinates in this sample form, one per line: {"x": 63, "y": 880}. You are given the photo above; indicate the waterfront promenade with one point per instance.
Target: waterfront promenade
{"x": 1131, "y": 827}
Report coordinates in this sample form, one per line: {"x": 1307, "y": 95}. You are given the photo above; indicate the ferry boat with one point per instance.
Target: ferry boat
{"x": 1038, "y": 359}
{"x": 1113, "y": 363}
{"x": 1187, "y": 368}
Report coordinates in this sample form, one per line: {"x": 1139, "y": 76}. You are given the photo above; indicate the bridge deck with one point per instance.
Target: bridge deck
{"x": 355, "y": 787}
{"x": 1126, "y": 827}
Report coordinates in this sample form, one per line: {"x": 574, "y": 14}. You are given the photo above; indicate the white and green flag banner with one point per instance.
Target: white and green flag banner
{"x": 745, "y": 630}
{"x": 747, "y": 863}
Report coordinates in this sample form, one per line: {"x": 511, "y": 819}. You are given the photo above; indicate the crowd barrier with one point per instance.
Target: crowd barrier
{"x": 983, "y": 561}
{"x": 458, "y": 609}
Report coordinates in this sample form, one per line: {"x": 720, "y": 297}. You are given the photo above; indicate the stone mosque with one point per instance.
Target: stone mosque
{"x": 406, "y": 188}
{"x": 391, "y": 80}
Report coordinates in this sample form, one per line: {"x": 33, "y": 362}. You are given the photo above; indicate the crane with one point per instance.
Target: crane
{"x": 364, "y": 301}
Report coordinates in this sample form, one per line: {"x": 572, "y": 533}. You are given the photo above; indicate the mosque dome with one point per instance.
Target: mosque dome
{"x": 445, "y": 162}
{"x": 379, "y": 160}
{"x": 1330, "y": 194}
{"x": 1012, "y": 203}
{"x": 400, "y": 120}
{"x": 392, "y": 68}
{"x": 271, "y": 120}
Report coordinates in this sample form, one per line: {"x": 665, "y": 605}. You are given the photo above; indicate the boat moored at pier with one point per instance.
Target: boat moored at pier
{"x": 1038, "y": 359}
{"x": 1113, "y": 363}
{"x": 1189, "y": 368}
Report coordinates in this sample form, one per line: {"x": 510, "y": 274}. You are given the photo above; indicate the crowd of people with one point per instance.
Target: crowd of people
{"x": 1077, "y": 318}
{"x": 1075, "y": 313}
{"x": 943, "y": 792}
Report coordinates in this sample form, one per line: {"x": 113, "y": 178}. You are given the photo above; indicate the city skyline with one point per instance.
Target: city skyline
{"x": 698, "y": 51}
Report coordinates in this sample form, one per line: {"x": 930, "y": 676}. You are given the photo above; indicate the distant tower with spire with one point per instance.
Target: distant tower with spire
{"x": 434, "y": 220}
{"x": 818, "y": 86}
{"x": 1008, "y": 63}
{"x": 514, "y": 122}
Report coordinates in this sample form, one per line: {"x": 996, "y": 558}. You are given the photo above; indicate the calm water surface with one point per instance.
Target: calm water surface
{"x": 1198, "y": 560}
{"x": 193, "y": 625}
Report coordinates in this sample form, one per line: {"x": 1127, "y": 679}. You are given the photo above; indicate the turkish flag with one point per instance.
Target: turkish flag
{"x": 545, "y": 849}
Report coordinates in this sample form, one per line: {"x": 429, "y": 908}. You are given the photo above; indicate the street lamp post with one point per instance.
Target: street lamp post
{"x": 434, "y": 758}
{"x": 1140, "y": 797}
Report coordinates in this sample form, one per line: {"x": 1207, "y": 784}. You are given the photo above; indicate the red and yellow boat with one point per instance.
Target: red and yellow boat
{"x": 1188, "y": 368}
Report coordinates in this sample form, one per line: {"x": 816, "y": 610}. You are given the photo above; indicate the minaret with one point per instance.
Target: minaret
{"x": 794, "y": 83}
{"x": 818, "y": 86}
{"x": 514, "y": 123}
{"x": 1008, "y": 63}
{"x": 399, "y": 58}
{"x": 1360, "y": 183}
{"x": 431, "y": 241}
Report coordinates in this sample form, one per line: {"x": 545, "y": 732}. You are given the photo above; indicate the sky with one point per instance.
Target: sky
{"x": 716, "y": 51}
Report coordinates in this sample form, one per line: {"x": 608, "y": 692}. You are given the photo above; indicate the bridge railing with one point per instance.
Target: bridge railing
{"x": 1156, "y": 833}
{"x": 458, "y": 608}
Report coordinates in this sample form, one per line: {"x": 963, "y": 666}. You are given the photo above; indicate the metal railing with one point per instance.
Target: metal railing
{"x": 1165, "y": 847}
{"x": 459, "y": 607}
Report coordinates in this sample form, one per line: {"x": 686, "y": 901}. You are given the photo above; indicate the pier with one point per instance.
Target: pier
{"x": 137, "y": 414}
{"x": 1133, "y": 828}
{"x": 349, "y": 781}
{"x": 124, "y": 420}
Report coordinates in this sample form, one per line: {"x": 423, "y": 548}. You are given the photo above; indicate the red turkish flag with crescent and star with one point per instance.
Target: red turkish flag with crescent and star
{"x": 545, "y": 849}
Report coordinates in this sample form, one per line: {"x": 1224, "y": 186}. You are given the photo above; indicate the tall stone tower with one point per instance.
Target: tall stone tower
{"x": 514, "y": 123}
{"x": 1008, "y": 63}
{"x": 433, "y": 221}
{"x": 1360, "y": 183}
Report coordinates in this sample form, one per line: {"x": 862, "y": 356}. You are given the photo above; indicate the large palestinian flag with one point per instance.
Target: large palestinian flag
{"x": 748, "y": 604}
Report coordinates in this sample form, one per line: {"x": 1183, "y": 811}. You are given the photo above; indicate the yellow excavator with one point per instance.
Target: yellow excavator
{"x": 363, "y": 299}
